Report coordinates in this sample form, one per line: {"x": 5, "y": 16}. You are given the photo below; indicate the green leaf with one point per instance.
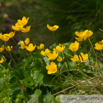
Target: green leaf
{"x": 35, "y": 96}
{"x": 1, "y": 80}
{"x": 18, "y": 73}
{"x": 49, "y": 80}
{"x": 13, "y": 80}
{"x": 37, "y": 76}
{"x": 53, "y": 46}
{"x": 72, "y": 65}
{"x": 48, "y": 99}
{"x": 37, "y": 55}
{"x": 57, "y": 98}
{"x": 1, "y": 67}
{"x": 16, "y": 92}
{"x": 28, "y": 82}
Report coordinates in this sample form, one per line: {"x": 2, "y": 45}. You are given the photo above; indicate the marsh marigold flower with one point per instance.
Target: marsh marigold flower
{"x": 46, "y": 52}
{"x": 75, "y": 58}
{"x": 4, "y": 37}
{"x": 60, "y": 59}
{"x": 59, "y": 48}
{"x": 74, "y": 46}
{"x": 2, "y": 59}
{"x": 95, "y": 65}
{"x": 11, "y": 34}
{"x": 17, "y": 27}
{"x": 41, "y": 46}
{"x": 27, "y": 41}
{"x": 52, "y": 68}
{"x": 25, "y": 30}
{"x": 9, "y": 48}
{"x": 1, "y": 36}
{"x": 101, "y": 42}
{"x": 20, "y": 25}
{"x": 79, "y": 36}
{"x": 30, "y": 47}
{"x": 99, "y": 46}
{"x": 22, "y": 45}
{"x": 24, "y": 21}
{"x": 81, "y": 57}
{"x": 2, "y": 48}
{"x": 83, "y": 35}
{"x": 52, "y": 56}
{"x": 52, "y": 28}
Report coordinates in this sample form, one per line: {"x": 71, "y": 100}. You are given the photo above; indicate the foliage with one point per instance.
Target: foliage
{"x": 39, "y": 77}
{"x": 37, "y": 74}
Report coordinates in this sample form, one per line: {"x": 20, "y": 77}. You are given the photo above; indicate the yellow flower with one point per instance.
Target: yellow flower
{"x": 46, "y": 52}
{"x": 98, "y": 46}
{"x": 52, "y": 28}
{"x": 8, "y": 48}
{"x": 30, "y": 47}
{"x": 59, "y": 48}
{"x": 95, "y": 65}
{"x": 79, "y": 38}
{"x": 101, "y": 42}
{"x": 41, "y": 46}
{"x": 87, "y": 34}
{"x": 52, "y": 68}
{"x": 2, "y": 59}
{"x": 24, "y": 21}
{"x": 2, "y": 48}
{"x": 5, "y": 37}
{"x": 75, "y": 58}
{"x": 25, "y": 30}
{"x": 74, "y": 46}
{"x": 1, "y": 36}
{"x": 60, "y": 59}
{"x": 79, "y": 33}
{"x": 17, "y": 27}
{"x": 22, "y": 45}
{"x": 52, "y": 56}
{"x": 11, "y": 34}
{"x": 27, "y": 41}
{"x": 83, "y": 35}
{"x": 82, "y": 57}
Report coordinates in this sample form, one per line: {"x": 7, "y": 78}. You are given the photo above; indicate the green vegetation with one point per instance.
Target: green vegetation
{"x": 32, "y": 72}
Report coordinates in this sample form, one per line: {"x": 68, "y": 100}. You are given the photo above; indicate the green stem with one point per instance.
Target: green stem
{"x": 55, "y": 38}
{"x": 11, "y": 55}
{"x": 101, "y": 53}
{"x": 16, "y": 57}
{"x": 24, "y": 42}
{"x": 12, "y": 58}
{"x": 14, "y": 40}
{"x": 13, "y": 51}
{"x": 92, "y": 48}
{"x": 31, "y": 37}
{"x": 32, "y": 55}
{"x": 66, "y": 60}
{"x": 21, "y": 36}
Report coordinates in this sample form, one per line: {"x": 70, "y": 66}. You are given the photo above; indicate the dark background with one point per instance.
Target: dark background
{"x": 70, "y": 15}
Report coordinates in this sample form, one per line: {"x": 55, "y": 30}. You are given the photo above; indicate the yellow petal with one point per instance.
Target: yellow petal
{"x": 52, "y": 28}
{"x": 98, "y": 46}
{"x": 74, "y": 46}
{"x": 75, "y": 58}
